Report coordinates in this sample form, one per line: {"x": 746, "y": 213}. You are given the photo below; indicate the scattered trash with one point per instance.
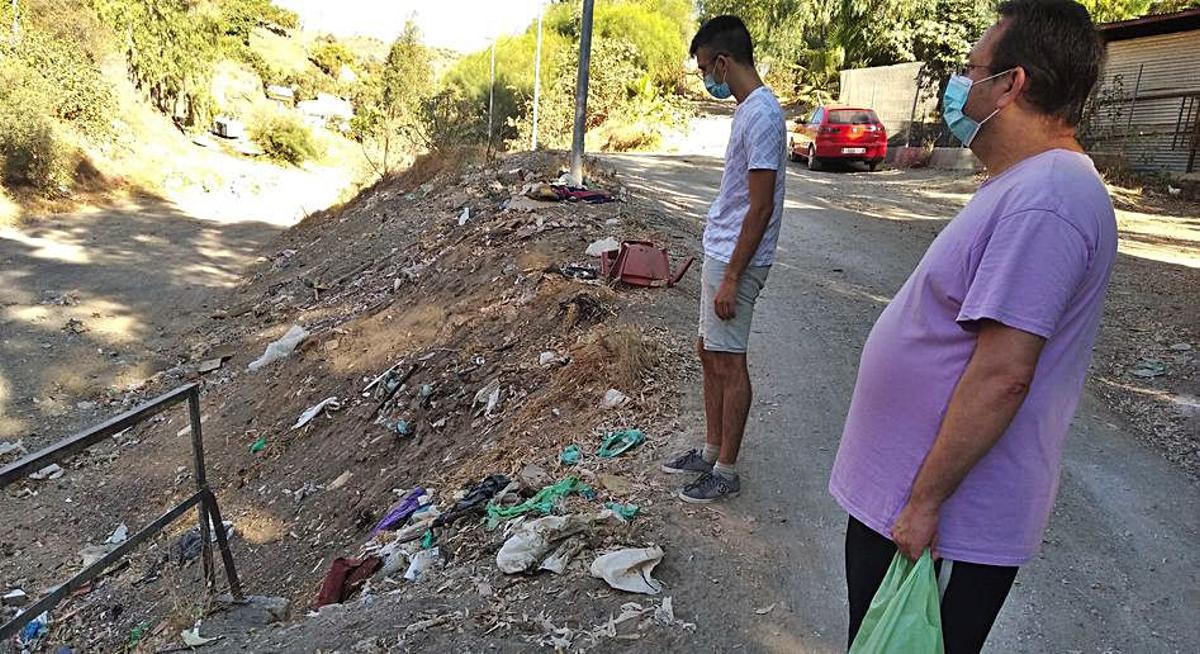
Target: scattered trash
{"x": 75, "y": 326}
{"x": 189, "y": 544}
{"x": 137, "y": 633}
{"x": 543, "y": 502}
{"x": 428, "y": 540}
{"x": 630, "y": 569}
{"x": 1149, "y": 368}
{"x": 614, "y": 399}
{"x": 258, "y": 445}
{"x": 192, "y": 638}
{"x": 626, "y": 512}
{"x": 15, "y": 598}
{"x": 547, "y": 358}
{"x": 571, "y": 455}
{"x": 1181, "y": 347}
{"x": 765, "y": 610}
{"x": 582, "y": 272}
{"x": 341, "y": 480}
{"x": 404, "y": 428}
{"x": 620, "y": 442}
{"x": 89, "y": 554}
{"x": 562, "y": 556}
{"x": 422, "y": 562}
{"x": 400, "y": 513}
{"x": 34, "y": 631}
{"x": 533, "y": 540}
{"x": 641, "y": 263}
{"x": 330, "y": 403}
{"x": 52, "y": 471}
{"x": 598, "y": 248}
{"x": 464, "y": 216}
{"x": 474, "y": 501}
{"x": 119, "y": 535}
{"x": 345, "y": 577}
{"x": 12, "y": 447}
{"x": 281, "y": 348}
{"x": 490, "y": 396}
{"x": 210, "y": 365}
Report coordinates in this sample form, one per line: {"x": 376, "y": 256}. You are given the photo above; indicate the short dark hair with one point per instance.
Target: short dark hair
{"x": 1057, "y": 45}
{"x": 726, "y": 35}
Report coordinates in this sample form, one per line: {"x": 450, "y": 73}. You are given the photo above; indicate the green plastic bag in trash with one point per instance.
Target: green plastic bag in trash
{"x": 543, "y": 502}
{"x": 905, "y": 614}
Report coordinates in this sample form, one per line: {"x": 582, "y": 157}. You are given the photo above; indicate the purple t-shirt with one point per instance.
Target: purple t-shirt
{"x": 1032, "y": 250}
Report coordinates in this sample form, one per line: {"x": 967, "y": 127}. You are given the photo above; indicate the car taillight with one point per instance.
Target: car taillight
{"x": 828, "y": 130}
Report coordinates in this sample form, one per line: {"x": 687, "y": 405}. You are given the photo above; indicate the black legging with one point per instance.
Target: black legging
{"x": 970, "y": 604}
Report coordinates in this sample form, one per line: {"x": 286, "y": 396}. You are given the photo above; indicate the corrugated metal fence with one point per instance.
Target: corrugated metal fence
{"x": 1147, "y": 109}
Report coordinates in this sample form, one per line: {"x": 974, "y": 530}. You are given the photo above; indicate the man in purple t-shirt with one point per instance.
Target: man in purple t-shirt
{"x": 970, "y": 377}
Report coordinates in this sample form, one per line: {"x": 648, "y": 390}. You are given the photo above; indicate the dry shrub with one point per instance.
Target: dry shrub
{"x": 616, "y": 357}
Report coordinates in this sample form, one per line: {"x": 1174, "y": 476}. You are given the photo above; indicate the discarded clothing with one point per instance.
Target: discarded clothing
{"x": 533, "y": 540}
{"x": 400, "y": 513}
{"x": 345, "y": 577}
{"x": 543, "y": 502}
{"x": 620, "y": 442}
{"x": 474, "y": 501}
{"x": 630, "y": 569}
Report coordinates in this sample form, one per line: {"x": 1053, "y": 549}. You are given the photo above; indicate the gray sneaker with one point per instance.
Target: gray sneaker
{"x": 688, "y": 462}
{"x": 710, "y": 487}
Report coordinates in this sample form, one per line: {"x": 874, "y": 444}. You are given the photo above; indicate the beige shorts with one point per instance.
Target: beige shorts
{"x": 731, "y": 335}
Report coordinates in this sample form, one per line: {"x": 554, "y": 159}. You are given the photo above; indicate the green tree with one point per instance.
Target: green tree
{"x": 388, "y": 106}
{"x": 1106, "y": 11}
{"x": 239, "y": 18}
{"x": 330, "y": 56}
{"x": 171, "y": 47}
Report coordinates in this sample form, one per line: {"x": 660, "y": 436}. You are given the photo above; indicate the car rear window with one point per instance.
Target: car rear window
{"x": 852, "y": 117}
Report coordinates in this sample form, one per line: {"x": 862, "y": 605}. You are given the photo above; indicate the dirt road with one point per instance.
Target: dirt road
{"x": 1118, "y": 570}
{"x": 94, "y": 302}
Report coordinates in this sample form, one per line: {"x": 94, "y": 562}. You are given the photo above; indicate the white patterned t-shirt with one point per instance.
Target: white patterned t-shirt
{"x": 757, "y": 141}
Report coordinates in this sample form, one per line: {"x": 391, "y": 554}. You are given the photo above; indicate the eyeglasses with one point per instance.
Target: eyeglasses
{"x": 965, "y": 69}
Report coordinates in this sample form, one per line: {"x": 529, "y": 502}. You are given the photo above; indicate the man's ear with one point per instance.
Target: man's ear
{"x": 1016, "y": 81}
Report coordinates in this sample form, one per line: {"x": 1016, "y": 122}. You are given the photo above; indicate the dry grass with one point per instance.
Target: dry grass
{"x": 617, "y": 357}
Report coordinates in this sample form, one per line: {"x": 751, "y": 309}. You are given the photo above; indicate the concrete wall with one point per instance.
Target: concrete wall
{"x": 891, "y": 91}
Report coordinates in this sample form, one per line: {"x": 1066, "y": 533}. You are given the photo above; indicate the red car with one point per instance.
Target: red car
{"x": 844, "y": 133}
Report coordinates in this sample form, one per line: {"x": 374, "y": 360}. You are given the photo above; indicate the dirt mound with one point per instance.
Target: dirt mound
{"x": 440, "y": 319}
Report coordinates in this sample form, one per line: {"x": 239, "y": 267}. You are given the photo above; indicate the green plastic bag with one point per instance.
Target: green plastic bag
{"x": 542, "y": 503}
{"x": 905, "y": 614}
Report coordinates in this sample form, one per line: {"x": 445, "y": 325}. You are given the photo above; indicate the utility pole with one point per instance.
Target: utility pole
{"x": 537, "y": 77}
{"x": 491, "y": 96}
{"x": 581, "y": 93}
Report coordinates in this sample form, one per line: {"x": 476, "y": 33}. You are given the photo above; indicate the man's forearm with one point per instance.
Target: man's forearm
{"x": 753, "y": 229}
{"x": 981, "y": 409}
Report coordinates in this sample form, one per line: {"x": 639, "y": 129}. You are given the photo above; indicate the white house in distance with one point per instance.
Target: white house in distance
{"x": 327, "y": 110}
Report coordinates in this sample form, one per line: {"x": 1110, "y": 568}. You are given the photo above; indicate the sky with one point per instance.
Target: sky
{"x": 464, "y": 25}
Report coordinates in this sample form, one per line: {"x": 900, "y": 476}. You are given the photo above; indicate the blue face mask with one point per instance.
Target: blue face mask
{"x": 954, "y": 100}
{"x": 718, "y": 91}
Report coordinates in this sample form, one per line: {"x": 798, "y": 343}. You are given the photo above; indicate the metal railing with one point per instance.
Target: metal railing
{"x": 203, "y": 499}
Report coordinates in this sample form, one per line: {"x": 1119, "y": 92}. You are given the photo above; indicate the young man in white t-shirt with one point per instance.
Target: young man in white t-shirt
{"x": 739, "y": 247}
